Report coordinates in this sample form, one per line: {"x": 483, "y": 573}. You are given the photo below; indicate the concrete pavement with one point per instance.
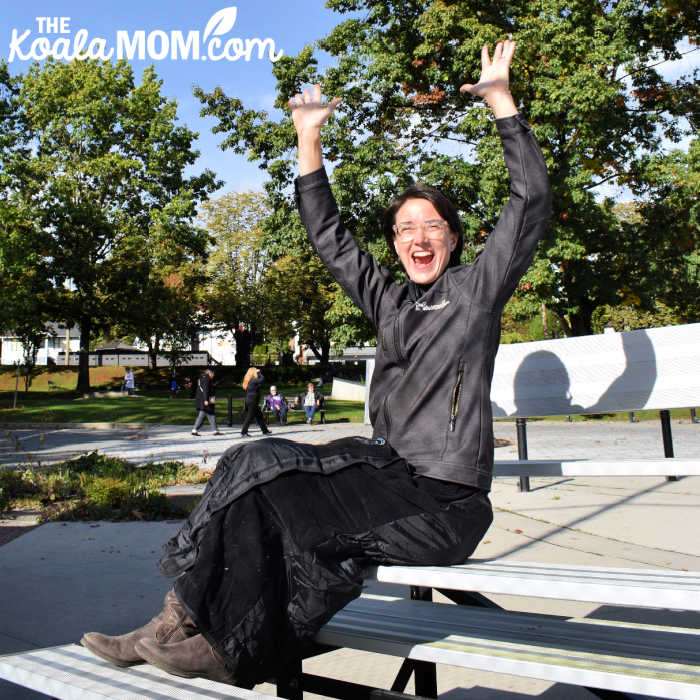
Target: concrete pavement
{"x": 60, "y": 580}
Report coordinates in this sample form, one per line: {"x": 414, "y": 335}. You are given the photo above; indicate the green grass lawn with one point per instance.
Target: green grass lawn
{"x": 156, "y": 407}
{"x": 39, "y": 407}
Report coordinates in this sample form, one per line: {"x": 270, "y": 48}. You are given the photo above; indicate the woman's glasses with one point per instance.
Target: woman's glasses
{"x": 432, "y": 229}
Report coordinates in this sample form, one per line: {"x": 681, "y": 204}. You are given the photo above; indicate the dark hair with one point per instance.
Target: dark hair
{"x": 444, "y": 207}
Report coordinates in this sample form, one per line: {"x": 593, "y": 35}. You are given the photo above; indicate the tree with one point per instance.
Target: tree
{"x": 168, "y": 313}
{"x": 236, "y": 297}
{"x": 669, "y": 210}
{"x": 582, "y": 74}
{"x": 301, "y": 293}
{"x": 107, "y": 181}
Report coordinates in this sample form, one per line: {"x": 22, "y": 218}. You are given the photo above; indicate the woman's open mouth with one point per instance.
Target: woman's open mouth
{"x": 423, "y": 258}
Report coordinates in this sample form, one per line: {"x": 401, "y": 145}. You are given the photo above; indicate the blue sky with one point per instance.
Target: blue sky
{"x": 291, "y": 24}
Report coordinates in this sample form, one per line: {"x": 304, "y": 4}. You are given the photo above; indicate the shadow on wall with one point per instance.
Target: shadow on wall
{"x": 545, "y": 384}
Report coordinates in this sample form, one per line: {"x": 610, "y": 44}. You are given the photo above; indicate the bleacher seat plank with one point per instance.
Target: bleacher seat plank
{"x": 628, "y": 658}
{"x": 69, "y": 672}
{"x": 652, "y": 588}
{"x": 675, "y": 466}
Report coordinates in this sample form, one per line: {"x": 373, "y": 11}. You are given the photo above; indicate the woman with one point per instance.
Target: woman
{"x": 263, "y": 566}
{"x": 251, "y": 384}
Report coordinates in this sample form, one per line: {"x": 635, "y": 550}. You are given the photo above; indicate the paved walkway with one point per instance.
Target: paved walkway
{"x": 62, "y": 579}
{"x": 546, "y": 440}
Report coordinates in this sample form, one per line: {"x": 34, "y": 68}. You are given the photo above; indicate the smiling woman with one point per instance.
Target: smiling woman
{"x": 285, "y": 531}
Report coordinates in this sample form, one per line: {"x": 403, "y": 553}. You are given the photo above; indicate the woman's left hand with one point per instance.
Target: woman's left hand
{"x": 493, "y": 85}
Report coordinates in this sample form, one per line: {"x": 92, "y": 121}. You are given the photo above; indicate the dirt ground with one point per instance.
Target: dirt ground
{"x": 10, "y": 532}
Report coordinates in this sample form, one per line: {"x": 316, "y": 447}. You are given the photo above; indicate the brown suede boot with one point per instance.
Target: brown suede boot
{"x": 172, "y": 625}
{"x": 193, "y": 658}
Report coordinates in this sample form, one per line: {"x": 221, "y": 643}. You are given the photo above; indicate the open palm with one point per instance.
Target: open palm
{"x": 494, "y": 73}
{"x": 309, "y": 111}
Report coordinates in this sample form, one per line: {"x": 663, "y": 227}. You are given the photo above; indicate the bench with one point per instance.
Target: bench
{"x": 71, "y": 671}
{"x": 291, "y": 408}
{"x": 656, "y": 369}
{"x": 610, "y": 658}
{"x": 476, "y": 634}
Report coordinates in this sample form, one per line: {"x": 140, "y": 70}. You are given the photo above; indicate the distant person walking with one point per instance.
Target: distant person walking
{"x": 173, "y": 387}
{"x": 128, "y": 383}
{"x": 251, "y": 383}
{"x": 205, "y": 402}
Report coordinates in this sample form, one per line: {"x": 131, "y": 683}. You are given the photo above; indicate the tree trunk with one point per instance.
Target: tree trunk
{"x": 580, "y": 324}
{"x": 243, "y": 347}
{"x": 325, "y": 352}
{"x": 83, "y": 386}
{"x": 153, "y": 349}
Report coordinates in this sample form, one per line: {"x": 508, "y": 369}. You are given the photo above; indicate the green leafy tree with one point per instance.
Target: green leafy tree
{"x": 27, "y": 296}
{"x": 301, "y": 292}
{"x": 236, "y": 298}
{"x": 584, "y": 76}
{"x": 669, "y": 211}
{"x": 106, "y": 180}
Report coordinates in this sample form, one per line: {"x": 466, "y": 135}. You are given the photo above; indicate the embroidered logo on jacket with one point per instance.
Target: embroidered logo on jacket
{"x": 420, "y": 306}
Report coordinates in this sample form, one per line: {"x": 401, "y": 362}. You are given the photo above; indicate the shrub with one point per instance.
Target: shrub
{"x": 108, "y": 491}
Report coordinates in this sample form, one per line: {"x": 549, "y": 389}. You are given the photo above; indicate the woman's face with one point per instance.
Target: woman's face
{"x": 310, "y": 388}
{"x": 425, "y": 251}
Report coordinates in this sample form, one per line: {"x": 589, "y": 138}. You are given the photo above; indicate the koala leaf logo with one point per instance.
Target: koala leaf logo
{"x": 221, "y": 22}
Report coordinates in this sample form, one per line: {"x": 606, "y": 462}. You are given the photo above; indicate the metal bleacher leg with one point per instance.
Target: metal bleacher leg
{"x": 667, "y": 438}
{"x": 521, "y": 428}
{"x": 424, "y": 671}
{"x": 289, "y": 683}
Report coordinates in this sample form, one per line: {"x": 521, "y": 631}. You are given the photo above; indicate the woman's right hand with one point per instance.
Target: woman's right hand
{"x": 309, "y": 112}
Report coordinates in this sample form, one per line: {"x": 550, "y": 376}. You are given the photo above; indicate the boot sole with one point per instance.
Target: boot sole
{"x": 172, "y": 670}
{"x": 110, "y": 659}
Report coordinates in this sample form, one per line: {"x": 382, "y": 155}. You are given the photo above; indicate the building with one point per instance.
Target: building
{"x": 11, "y": 351}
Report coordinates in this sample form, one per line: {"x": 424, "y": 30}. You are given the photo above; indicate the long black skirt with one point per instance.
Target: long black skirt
{"x": 276, "y": 563}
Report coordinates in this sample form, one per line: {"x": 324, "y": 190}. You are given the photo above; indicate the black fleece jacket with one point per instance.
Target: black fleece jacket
{"x": 430, "y": 391}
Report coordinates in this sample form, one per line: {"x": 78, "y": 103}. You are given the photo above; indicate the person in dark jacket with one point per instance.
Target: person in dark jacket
{"x": 251, "y": 384}
{"x": 262, "y": 566}
{"x": 311, "y": 400}
{"x": 205, "y": 402}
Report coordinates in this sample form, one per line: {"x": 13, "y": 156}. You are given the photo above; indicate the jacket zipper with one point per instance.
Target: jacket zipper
{"x": 456, "y": 391}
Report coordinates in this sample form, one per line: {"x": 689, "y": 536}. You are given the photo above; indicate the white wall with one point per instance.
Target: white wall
{"x": 346, "y": 390}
